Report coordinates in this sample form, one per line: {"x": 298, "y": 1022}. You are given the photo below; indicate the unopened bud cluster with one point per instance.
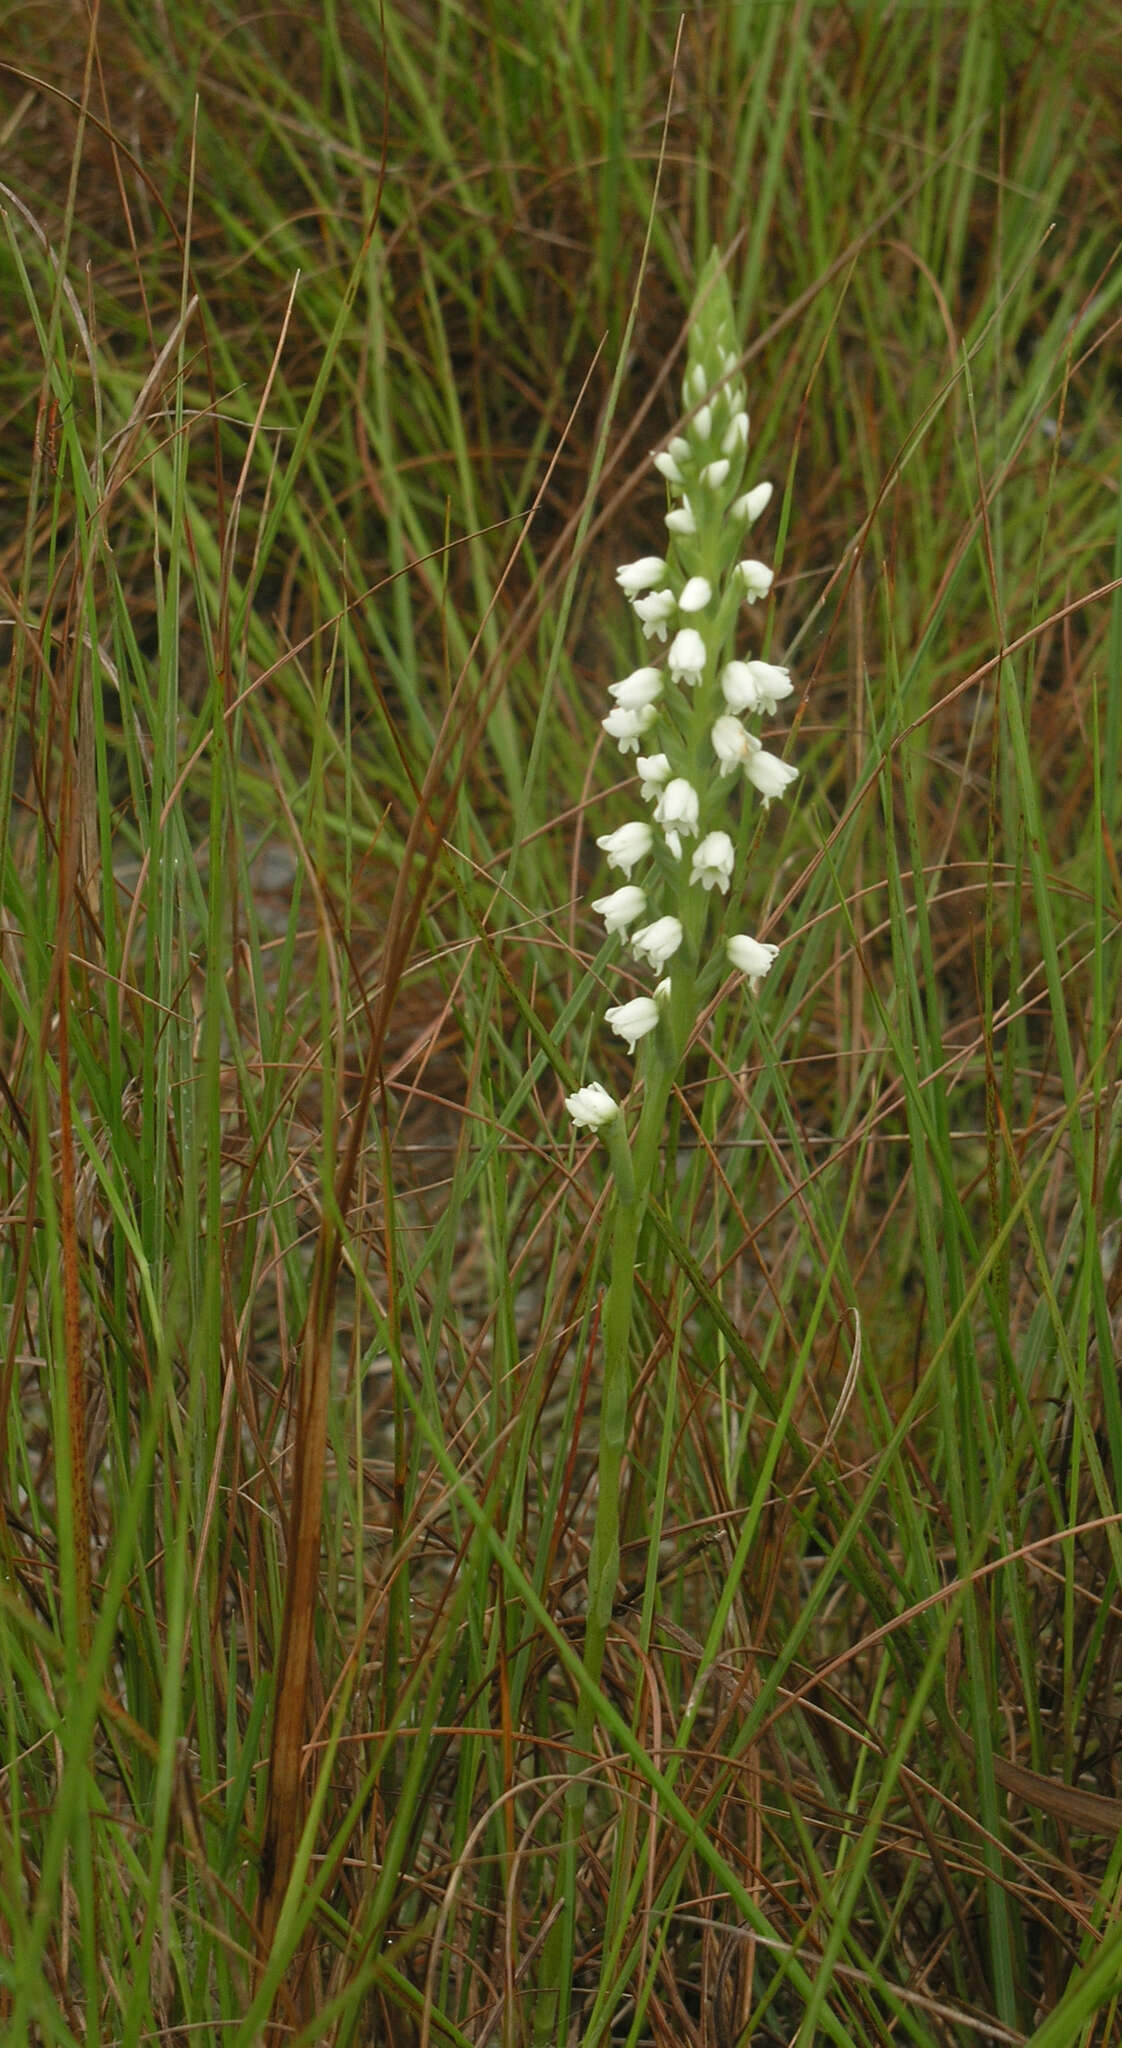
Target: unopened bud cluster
{"x": 683, "y": 714}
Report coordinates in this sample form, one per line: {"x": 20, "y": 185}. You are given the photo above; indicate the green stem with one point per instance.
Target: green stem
{"x": 633, "y": 1171}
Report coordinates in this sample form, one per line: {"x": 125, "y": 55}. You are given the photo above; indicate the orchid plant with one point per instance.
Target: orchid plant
{"x": 684, "y": 717}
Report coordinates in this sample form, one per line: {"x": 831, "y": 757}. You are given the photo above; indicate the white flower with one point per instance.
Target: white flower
{"x": 713, "y": 862}
{"x": 654, "y": 611}
{"x": 757, "y": 579}
{"x": 701, "y": 426}
{"x": 751, "y": 957}
{"x": 633, "y": 1020}
{"x": 738, "y": 686}
{"x": 736, "y": 434}
{"x": 768, "y": 774}
{"x": 648, "y": 573}
{"x": 666, "y": 466}
{"x": 732, "y": 745}
{"x": 642, "y": 686}
{"x": 627, "y": 727}
{"x": 696, "y": 594}
{"x": 654, "y": 770}
{"x": 622, "y": 907}
{"x": 714, "y": 474}
{"x": 687, "y": 655}
{"x": 680, "y": 449}
{"x": 678, "y": 807}
{"x": 681, "y": 520}
{"x": 593, "y": 1106}
{"x": 771, "y": 683}
{"x": 627, "y": 846}
{"x": 657, "y": 942}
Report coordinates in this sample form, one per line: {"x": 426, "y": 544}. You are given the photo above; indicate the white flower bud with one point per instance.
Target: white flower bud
{"x": 695, "y": 383}
{"x": 622, "y": 907}
{"x": 696, "y": 595}
{"x": 592, "y": 1106}
{"x": 735, "y": 436}
{"x": 658, "y": 942}
{"x": 701, "y": 425}
{"x": 681, "y": 520}
{"x": 686, "y": 655}
{"x": 753, "y": 503}
{"x": 666, "y": 466}
{"x": 627, "y": 845}
{"x": 633, "y": 1020}
{"x": 714, "y": 474}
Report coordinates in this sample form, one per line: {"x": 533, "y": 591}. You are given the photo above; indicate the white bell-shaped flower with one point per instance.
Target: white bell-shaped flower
{"x": 627, "y": 727}
{"x": 756, "y": 580}
{"x": 592, "y": 1107}
{"x": 654, "y": 774}
{"x": 658, "y": 942}
{"x": 627, "y": 845}
{"x": 752, "y": 957}
{"x": 622, "y": 907}
{"x": 642, "y": 686}
{"x": 732, "y": 745}
{"x": 686, "y": 655}
{"x": 713, "y": 861}
{"x": 633, "y": 1020}
{"x": 770, "y": 775}
{"x": 648, "y": 573}
{"x": 678, "y": 807}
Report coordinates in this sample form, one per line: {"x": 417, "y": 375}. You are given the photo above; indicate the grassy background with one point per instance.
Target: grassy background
{"x": 336, "y": 341}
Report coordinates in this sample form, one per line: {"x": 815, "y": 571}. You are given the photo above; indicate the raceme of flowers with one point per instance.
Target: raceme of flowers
{"x": 681, "y": 719}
